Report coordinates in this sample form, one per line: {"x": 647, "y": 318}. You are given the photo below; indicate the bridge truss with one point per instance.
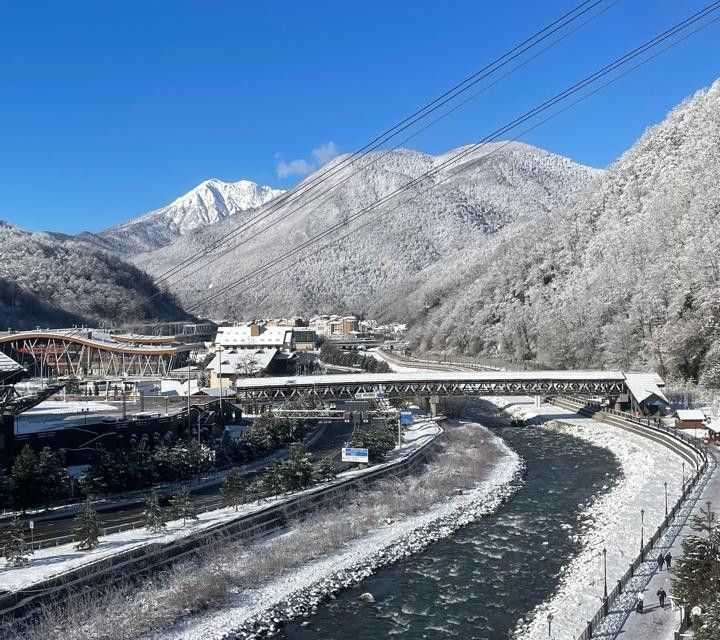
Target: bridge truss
{"x": 434, "y": 384}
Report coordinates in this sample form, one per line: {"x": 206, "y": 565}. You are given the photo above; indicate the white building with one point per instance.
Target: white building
{"x": 257, "y": 335}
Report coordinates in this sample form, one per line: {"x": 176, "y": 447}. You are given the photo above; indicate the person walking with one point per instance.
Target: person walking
{"x": 661, "y": 561}
{"x": 640, "y": 602}
{"x": 668, "y": 558}
{"x": 661, "y": 596}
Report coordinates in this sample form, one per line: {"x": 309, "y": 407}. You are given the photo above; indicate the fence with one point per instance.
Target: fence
{"x": 701, "y": 457}
{"x": 17, "y": 606}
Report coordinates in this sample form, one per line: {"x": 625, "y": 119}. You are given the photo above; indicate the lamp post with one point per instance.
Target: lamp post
{"x": 666, "y": 509}
{"x": 604, "y": 574}
{"x": 188, "y": 400}
{"x": 222, "y": 421}
{"x": 642, "y": 530}
{"x": 549, "y": 619}
{"x": 683, "y": 484}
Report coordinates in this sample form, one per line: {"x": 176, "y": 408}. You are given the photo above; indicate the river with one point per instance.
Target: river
{"x": 480, "y": 582}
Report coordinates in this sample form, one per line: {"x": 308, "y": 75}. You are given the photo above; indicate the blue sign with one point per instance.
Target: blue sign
{"x": 406, "y": 418}
{"x": 354, "y": 454}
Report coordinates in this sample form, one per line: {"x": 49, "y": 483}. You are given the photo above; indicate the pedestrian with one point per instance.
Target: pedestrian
{"x": 661, "y": 561}
{"x": 668, "y": 558}
{"x": 640, "y": 602}
{"x": 661, "y": 596}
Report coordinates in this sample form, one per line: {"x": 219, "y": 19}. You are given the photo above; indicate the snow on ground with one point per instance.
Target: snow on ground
{"x": 359, "y": 557}
{"x": 62, "y": 407}
{"x": 396, "y": 368}
{"x": 52, "y": 561}
{"x": 646, "y": 465}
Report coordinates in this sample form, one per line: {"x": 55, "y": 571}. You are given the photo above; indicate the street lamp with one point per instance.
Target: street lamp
{"x": 605, "y": 574}
{"x": 666, "y": 509}
{"x": 642, "y": 530}
{"x": 549, "y": 619}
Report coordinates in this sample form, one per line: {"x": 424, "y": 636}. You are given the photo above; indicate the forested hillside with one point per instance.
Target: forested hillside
{"x": 626, "y": 275}
{"x": 488, "y": 190}
{"x": 53, "y": 280}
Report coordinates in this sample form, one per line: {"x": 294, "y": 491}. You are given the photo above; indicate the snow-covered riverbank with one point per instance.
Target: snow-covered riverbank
{"x": 615, "y": 515}
{"x": 297, "y": 592}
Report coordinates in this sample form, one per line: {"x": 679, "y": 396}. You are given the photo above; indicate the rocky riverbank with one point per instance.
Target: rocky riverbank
{"x": 611, "y": 522}
{"x": 298, "y": 592}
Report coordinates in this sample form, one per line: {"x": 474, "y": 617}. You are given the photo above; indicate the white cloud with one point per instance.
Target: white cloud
{"x": 301, "y": 167}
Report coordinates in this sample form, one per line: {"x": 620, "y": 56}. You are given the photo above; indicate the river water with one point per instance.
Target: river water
{"x": 478, "y": 583}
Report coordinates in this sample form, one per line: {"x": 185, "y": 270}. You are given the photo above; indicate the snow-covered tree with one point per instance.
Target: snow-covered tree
{"x": 234, "y": 489}
{"x": 324, "y": 469}
{"x": 181, "y": 506}
{"x": 697, "y": 571}
{"x": 153, "y": 515}
{"x": 12, "y": 542}
{"x": 87, "y": 529}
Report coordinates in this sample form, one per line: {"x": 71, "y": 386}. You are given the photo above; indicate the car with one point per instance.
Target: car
{"x": 109, "y": 420}
{"x": 332, "y": 406}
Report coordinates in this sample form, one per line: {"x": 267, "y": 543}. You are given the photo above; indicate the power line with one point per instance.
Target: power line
{"x": 579, "y": 86}
{"x": 376, "y": 159}
{"x": 446, "y": 97}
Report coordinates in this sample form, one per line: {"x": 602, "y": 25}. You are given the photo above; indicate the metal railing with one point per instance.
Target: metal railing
{"x": 17, "y": 606}
{"x": 700, "y": 454}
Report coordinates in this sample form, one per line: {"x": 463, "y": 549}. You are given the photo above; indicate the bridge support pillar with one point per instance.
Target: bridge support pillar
{"x": 434, "y": 402}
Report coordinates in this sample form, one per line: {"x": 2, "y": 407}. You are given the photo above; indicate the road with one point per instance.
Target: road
{"x": 207, "y": 498}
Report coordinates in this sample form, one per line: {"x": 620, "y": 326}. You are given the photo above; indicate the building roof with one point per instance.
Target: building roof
{"x": 644, "y": 386}
{"x": 7, "y": 364}
{"x": 242, "y": 361}
{"x": 690, "y": 415}
{"x": 714, "y": 425}
{"x": 239, "y": 336}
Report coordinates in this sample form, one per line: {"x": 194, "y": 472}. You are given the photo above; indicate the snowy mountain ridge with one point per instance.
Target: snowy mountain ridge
{"x": 208, "y": 203}
{"x": 492, "y": 187}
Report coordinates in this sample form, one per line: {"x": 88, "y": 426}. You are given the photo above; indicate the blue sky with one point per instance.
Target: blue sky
{"x": 110, "y": 109}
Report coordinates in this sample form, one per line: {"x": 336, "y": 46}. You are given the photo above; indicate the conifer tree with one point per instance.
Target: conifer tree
{"x": 234, "y": 489}
{"x": 54, "y": 483}
{"x": 25, "y": 478}
{"x": 325, "y": 469}
{"x": 4, "y": 490}
{"x": 153, "y": 515}
{"x": 707, "y": 628}
{"x": 181, "y": 506}
{"x": 87, "y": 530}
{"x": 13, "y": 544}
{"x": 697, "y": 571}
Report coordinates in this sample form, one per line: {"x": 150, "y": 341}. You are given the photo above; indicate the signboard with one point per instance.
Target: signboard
{"x": 406, "y": 418}
{"x": 354, "y": 454}
{"x": 31, "y": 524}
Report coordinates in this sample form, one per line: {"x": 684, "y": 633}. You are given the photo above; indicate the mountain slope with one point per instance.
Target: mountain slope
{"x": 626, "y": 275}
{"x": 208, "y": 203}
{"x": 483, "y": 194}
{"x": 53, "y": 280}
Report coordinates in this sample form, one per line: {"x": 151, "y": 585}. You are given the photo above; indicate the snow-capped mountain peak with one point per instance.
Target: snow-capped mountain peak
{"x": 208, "y": 203}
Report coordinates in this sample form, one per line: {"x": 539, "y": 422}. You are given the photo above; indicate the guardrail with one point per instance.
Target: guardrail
{"x": 703, "y": 460}
{"x": 18, "y": 606}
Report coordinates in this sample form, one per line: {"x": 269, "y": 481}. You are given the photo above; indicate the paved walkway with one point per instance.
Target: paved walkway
{"x": 656, "y": 623}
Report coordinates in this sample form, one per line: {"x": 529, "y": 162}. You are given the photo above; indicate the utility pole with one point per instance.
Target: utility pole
{"x": 188, "y": 404}
{"x": 222, "y": 419}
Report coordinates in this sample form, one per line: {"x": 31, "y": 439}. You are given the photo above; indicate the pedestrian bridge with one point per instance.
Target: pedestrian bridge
{"x": 447, "y": 383}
